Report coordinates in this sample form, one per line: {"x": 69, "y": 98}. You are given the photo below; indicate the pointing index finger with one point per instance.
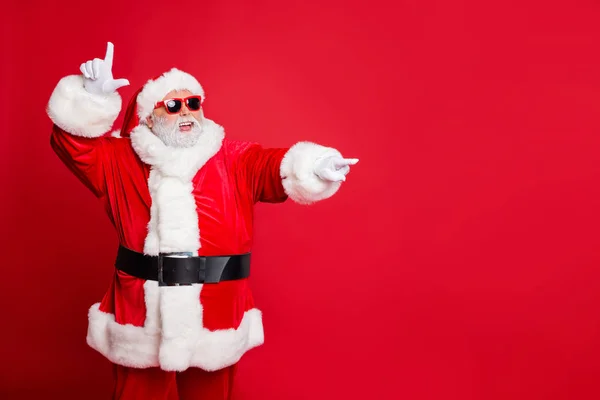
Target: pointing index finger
{"x": 345, "y": 161}
{"x": 108, "y": 58}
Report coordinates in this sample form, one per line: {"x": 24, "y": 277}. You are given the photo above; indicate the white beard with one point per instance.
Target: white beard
{"x": 172, "y": 136}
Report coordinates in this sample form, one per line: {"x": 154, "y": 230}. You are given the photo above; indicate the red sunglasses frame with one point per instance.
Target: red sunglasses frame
{"x": 183, "y": 101}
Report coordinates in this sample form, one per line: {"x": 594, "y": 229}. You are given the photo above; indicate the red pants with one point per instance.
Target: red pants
{"x": 156, "y": 384}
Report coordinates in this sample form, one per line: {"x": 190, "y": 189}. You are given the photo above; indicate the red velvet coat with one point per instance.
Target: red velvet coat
{"x": 164, "y": 199}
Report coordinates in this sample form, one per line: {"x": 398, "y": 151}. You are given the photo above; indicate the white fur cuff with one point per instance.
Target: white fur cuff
{"x": 297, "y": 171}
{"x": 75, "y": 110}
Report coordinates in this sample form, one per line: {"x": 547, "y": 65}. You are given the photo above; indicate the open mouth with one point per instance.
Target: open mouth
{"x": 185, "y": 126}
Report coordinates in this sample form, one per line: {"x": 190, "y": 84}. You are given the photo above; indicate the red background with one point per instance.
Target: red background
{"x": 460, "y": 259}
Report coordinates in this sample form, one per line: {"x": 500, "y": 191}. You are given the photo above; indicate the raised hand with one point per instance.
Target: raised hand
{"x": 98, "y": 77}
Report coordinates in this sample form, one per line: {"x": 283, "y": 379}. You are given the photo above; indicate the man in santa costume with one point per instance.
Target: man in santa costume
{"x": 178, "y": 314}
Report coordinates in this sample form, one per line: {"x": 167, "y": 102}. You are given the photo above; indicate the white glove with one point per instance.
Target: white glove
{"x": 334, "y": 168}
{"x": 98, "y": 78}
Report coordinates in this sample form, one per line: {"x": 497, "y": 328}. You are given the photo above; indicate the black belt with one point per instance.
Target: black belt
{"x": 171, "y": 269}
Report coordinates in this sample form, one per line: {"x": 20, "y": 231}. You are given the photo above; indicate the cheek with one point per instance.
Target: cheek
{"x": 170, "y": 119}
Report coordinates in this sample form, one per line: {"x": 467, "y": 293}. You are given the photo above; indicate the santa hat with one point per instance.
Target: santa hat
{"x": 143, "y": 100}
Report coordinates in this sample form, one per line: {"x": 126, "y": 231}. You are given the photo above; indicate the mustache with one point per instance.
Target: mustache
{"x": 163, "y": 120}
{"x": 191, "y": 119}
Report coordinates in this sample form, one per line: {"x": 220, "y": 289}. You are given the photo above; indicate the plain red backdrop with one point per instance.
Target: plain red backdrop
{"x": 459, "y": 261}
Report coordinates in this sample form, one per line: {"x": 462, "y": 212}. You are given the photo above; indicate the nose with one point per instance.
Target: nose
{"x": 184, "y": 110}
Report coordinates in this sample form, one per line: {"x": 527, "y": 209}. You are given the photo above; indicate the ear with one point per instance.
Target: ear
{"x": 149, "y": 122}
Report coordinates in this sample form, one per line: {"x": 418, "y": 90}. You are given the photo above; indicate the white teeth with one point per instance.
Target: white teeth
{"x": 185, "y": 124}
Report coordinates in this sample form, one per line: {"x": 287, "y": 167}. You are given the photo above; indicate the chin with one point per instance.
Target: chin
{"x": 184, "y": 139}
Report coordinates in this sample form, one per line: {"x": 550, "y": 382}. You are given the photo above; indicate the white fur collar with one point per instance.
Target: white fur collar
{"x": 182, "y": 163}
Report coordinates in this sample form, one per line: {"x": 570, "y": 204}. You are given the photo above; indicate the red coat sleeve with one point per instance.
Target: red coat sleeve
{"x": 261, "y": 170}
{"x": 81, "y": 120}
{"x": 83, "y": 157}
